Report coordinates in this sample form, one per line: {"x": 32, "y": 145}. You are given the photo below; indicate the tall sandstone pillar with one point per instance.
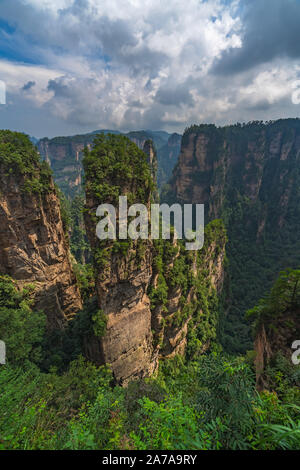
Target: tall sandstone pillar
{"x": 33, "y": 246}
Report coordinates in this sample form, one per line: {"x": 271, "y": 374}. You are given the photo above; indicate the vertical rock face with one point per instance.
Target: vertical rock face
{"x": 150, "y": 151}
{"x": 122, "y": 297}
{"x": 64, "y": 154}
{"x": 152, "y": 294}
{"x": 167, "y": 147}
{"x": 32, "y": 240}
{"x": 168, "y": 156}
{"x": 272, "y": 339}
{"x": 250, "y": 177}
{"x": 251, "y": 157}
{"x": 277, "y": 325}
{"x": 123, "y": 268}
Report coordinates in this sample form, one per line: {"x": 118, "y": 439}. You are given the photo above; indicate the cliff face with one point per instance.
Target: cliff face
{"x": 121, "y": 287}
{"x": 64, "y": 155}
{"x": 276, "y": 324}
{"x": 167, "y": 147}
{"x": 168, "y": 156}
{"x": 149, "y": 150}
{"x": 255, "y": 160}
{"x": 272, "y": 339}
{"x": 149, "y": 292}
{"x": 32, "y": 240}
{"x": 248, "y": 176}
{"x": 151, "y": 153}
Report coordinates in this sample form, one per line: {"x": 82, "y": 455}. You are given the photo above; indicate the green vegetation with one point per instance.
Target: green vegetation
{"x": 80, "y": 247}
{"x": 21, "y": 328}
{"x": 283, "y": 299}
{"x": 99, "y": 323}
{"x": 18, "y": 156}
{"x": 275, "y": 328}
{"x": 85, "y": 276}
{"x": 116, "y": 166}
{"x": 208, "y": 404}
{"x": 199, "y": 305}
{"x": 64, "y": 211}
{"x": 68, "y": 171}
{"x": 167, "y": 159}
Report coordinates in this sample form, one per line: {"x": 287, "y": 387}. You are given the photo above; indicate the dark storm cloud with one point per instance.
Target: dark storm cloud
{"x": 60, "y": 89}
{"x": 114, "y": 35}
{"x": 271, "y": 30}
{"x": 28, "y": 85}
{"x": 262, "y": 105}
{"x": 174, "y": 96}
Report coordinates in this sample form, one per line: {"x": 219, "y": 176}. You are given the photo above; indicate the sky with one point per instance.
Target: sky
{"x": 73, "y": 66}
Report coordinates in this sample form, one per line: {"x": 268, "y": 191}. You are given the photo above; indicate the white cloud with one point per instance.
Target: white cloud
{"x": 53, "y": 5}
{"x": 271, "y": 85}
{"x": 132, "y": 64}
{"x": 16, "y": 75}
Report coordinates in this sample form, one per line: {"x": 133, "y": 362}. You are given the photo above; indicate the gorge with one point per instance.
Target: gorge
{"x": 128, "y": 334}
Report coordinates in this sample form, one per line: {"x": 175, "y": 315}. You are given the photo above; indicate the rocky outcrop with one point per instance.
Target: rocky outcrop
{"x": 122, "y": 297}
{"x": 167, "y": 158}
{"x": 150, "y": 151}
{"x": 272, "y": 339}
{"x": 149, "y": 292}
{"x": 248, "y": 159}
{"x": 32, "y": 240}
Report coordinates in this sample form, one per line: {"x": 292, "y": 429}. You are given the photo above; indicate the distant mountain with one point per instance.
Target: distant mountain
{"x": 34, "y": 140}
{"x": 167, "y": 158}
{"x": 64, "y": 154}
{"x": 105, "y": 131}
